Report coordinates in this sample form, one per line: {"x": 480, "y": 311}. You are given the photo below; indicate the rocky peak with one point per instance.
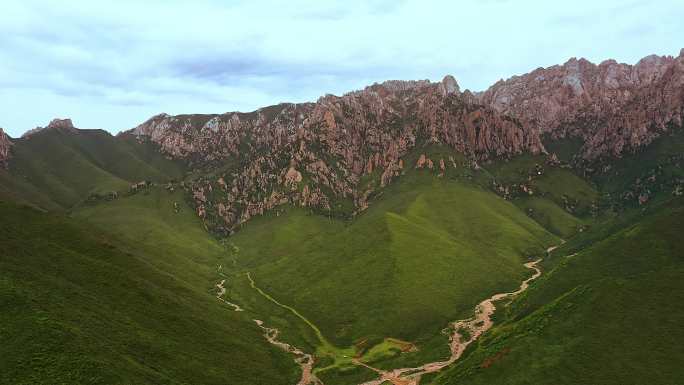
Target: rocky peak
{"x": 5, "y": 144}
{"x": 404, "y": 85}
{"x": 613, "y": 107}
{"x": 316, "y": 154}
{"x": 449, "y": 86}
{"x": 55, "y": 124}
{"x": 61, "y": 124}
{"x": 312, "y": 154}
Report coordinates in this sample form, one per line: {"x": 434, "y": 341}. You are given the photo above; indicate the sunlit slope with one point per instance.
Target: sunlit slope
{"x": 611, "y": 314}
{"x": 88, "y": 304}
{"x": 423, "y": 254}
{"x": 58, "y": 169}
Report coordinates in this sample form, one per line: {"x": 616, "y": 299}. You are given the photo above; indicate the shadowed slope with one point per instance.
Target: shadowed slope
{"x": 56, "y": 168}
{"x": 83, "y": 306}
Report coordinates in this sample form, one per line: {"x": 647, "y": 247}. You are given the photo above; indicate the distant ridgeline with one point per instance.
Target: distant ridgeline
{"x": 335, "y": 155}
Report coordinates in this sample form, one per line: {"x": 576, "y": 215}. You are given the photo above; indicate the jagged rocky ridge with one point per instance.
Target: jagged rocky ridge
{"x": 612, "y": 107}
{"x": 5, "y": 144}
{"x": 317, "y": 154}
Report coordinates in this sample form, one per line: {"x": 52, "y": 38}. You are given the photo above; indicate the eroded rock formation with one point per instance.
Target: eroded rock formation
{"x": 319, "y": 154}
{"x": 613, "y": 107}
{"x": 315, "y": 154}
{"x": 5, "y": 144}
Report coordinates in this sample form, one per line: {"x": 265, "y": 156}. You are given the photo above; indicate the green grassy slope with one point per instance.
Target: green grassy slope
{"x": 422, "y": 255}
{"x": 557, "y": 198}
{"x": 122, "y": 292}
{"x": 55, "y": 168}
{"x": 550, "y": 215}
{"x": 19, "y": 190}
{"x": 611, "y": 314}
{"x": 79, "y": 304}
{"x": 661, "y": 159}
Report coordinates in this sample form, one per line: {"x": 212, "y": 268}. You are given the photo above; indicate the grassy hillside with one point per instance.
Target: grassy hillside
{"x": 423, "y": 254}
{"x": 122, "y": 291}
{"x": 81, "y": 305}
{"x": 610, "y": 314}
{"x": 58, "y": 169}
{"x": 552, "y": 195}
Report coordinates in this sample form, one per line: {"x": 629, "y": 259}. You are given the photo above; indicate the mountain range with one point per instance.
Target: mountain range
{"x": 354, "y": 229}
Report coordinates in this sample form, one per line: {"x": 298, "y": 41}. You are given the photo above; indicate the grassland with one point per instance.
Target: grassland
{"x": 609, "y": 314}
{"x": 124, "y": 298}
{"x": 423, "y": 254}
{"x": 551, "y": 216}
{"x": 556, "y": 198}
{"x": 122, "y": 291}
{"x": 655, "y": 159}
{"x": 54, "y": 169}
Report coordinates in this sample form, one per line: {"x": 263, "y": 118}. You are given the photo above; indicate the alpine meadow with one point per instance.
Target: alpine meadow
{"x": 408, "y": 232}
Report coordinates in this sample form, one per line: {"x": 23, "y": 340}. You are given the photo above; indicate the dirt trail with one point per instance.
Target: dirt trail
{"x": 475, "y": 327}
{"x": 304, "y": 360}
{"x": 221, "y": 292}
{"x": 294, "y": 311}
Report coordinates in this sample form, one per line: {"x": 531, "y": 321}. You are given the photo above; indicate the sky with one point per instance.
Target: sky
{"x": 112, "y": 65}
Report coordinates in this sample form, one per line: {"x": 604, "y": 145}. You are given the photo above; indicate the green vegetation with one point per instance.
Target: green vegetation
{"x": 551, "y": 216}
{"x": 423, "y": 254}
{"x": 611, "y": 314}
{"x": 56, "y": 169}
{"x": 83, "y": 306}
{"x": 565, "y": 149}
{"x": 554, "y": 196}
{"x": 122, "y": 290}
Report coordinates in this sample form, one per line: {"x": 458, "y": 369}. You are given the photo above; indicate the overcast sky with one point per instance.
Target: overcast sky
{"x": 112, "y": 65}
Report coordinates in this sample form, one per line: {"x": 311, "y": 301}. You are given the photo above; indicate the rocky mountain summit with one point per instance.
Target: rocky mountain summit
{"x": 5, "y": 144}
{"x": 55, "y": 124}
{"x": 322, "y": 154}
{"x": 335, "y": 154}
{"x": 613, "y": 107}
{"x": 316, "y": 154}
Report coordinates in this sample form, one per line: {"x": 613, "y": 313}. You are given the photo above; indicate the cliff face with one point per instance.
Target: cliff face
{"x": 613, "y": 107}
{"x": 317, "y": 154}
{"x": 376, "y": 119}
{"x": 5, "y": 145}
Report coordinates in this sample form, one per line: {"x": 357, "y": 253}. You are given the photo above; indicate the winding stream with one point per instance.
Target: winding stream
{"x": 475, "y": 327}
{"x": 221, "y": 292}
{"x": 458, "y": 340}
{"x": 304, "y": 360}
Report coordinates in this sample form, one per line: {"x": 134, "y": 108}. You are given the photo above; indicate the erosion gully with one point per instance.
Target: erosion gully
{"x": 458, "y": 342}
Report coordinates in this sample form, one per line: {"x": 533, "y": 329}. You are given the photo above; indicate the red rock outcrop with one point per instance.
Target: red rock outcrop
{"x": 317, "y": 154}
{"x": 613, "y": 107}
{"x": 5, "y": 144}
{"x": 314, "y": 154}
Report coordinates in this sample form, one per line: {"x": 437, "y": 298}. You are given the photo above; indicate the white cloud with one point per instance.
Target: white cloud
{"x": 113, "y": 64}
